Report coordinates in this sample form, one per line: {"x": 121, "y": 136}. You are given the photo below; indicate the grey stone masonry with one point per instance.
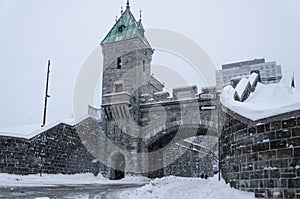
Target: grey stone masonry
{"x": 57, "y": 150}
{"x": 262, "y": 156}
{"x": 134, "y": 69}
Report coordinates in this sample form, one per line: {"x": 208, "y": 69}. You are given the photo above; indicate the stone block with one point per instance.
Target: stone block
{"x": 267, "y": 127}
{"x": 279, "y": 163}
{"x": 254, "y": 184}
{"x": 293, "y": 142}
{"x": 293, "y": 183}
{"x": 274, "y": 193}
{"x": 288, "y": 175}
{"x": 272, "y": 183}
{"x": 252, "y": 157}
{"x": 270, "y": 136}
{"x": 289, "y": 123}
{"x": 251, "y": 131}
{"x": 247, "y": 166}
{"x": 261, "y": 165}
{"x": 297, "y": 152}
{"x": 283, "y": 183}
{"x": 248, "y": 141}
{"x": 276, "y": 125}
{"x": 284, "y": 133}
{"x": 245, "y": 175}
{"x": 284, "y": 153}
{"x": 260, "y": 193}
{"x": 278, "y": 144}
{"x": 296, "y": 132}
{"x": 267, "y": 155}
{"x": 247, "y": 149}
{"x": 289, "y": 193}
{"x": 274, "y": 173}
{"x": 255, "y": 175}
{"x": 260, "y": 128}
{"x": 261, "y": 147}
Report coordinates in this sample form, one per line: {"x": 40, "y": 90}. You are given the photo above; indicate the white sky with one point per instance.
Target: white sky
{"x": 67, "y": 31}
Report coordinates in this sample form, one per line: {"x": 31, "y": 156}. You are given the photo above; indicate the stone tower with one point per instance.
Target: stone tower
{"x": 126, "y": 78}
{"x": 127, "y": 56}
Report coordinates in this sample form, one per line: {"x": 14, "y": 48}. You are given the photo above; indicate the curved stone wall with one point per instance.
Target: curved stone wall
{"x": 262, "y": 156}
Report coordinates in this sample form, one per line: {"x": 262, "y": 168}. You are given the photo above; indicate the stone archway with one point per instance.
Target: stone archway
{"x": 178, "y": 155}
{"x": 117, "y": 170}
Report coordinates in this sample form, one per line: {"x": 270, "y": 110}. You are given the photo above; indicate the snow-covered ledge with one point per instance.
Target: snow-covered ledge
{"x": 266, "y": 101}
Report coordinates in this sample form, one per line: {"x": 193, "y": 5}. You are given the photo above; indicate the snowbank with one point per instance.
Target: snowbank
{"x": 191, "y": 188}
{"x": 265, "y": 101}
{"x": 9, "y": 180}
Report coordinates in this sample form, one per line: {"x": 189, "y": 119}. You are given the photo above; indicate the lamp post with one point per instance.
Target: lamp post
{"x": 219, "y": 139}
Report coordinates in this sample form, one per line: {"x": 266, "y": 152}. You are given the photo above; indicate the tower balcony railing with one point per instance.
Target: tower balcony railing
{"x": 116, "y": 99}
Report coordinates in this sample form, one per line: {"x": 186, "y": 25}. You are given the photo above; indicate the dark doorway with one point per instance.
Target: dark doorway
{"x": 117, "y": 167}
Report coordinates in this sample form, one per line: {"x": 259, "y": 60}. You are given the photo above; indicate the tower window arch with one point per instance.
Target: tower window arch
{"x": 119, "y": 63}
{"x": 144, "y": 66}
{"x": 121, "y": 29}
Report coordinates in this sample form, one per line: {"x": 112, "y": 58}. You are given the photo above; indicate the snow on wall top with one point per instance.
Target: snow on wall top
{"x": 30, "y": 131}
{"x": 266, "y": 101}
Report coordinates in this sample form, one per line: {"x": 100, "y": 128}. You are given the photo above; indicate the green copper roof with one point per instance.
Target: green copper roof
{"x": 126, "y": 28}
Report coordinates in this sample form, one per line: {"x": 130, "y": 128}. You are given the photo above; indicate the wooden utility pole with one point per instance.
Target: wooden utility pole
{"x": 46, "y": 95}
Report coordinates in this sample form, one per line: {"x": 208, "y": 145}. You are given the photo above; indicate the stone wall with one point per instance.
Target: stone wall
{"x": 262, "y": 156}
{"x": 57, "y": 150}
{"x": 190, "y": 164}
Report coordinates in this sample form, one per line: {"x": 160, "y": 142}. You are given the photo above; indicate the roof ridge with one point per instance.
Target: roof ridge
{"x": 125, "y": 28}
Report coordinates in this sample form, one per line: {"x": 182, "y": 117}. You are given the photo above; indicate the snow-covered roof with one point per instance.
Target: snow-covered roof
{"x": 161, "y": 93}
{"x": 266, "y": 101}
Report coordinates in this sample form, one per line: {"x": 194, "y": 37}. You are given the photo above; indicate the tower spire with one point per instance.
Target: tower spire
{"x": 128, "y": 6}
{"x": 140, "y": 15}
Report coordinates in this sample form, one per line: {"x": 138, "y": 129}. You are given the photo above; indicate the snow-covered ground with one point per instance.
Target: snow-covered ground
{"x": 265, "y": 101}
{"x": 191, "y": 188}
{"x": 9, "y": 180}
{"x": 167, "y": 187}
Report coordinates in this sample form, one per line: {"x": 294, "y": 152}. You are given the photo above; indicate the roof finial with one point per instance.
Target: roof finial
{"x": 116, "y": 18}
{"x": 121, "y": 9}
{"x": 140, "y": 15}
{"x": 128, "y": 6}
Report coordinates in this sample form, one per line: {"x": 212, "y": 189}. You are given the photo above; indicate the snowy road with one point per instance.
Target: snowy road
{"x": 95, "y": 191}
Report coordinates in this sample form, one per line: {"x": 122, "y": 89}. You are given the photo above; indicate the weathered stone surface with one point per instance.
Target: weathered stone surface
{"x": 271, "y": 168}
{"x": 285, "y": 133}
{"x": 57, "y": 150}
{"x": 296, "y": 132}
{"x": 289, "y": 123}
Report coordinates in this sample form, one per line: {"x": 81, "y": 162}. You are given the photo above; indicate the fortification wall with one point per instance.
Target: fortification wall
{"x": 57, "y": 150}
{"x": 262, "y": 156}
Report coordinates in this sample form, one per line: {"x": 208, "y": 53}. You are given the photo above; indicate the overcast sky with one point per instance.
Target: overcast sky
{"x": 67, "y": 31}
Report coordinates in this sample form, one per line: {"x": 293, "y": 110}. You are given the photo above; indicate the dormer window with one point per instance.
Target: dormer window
{"x": 121, "y": 29}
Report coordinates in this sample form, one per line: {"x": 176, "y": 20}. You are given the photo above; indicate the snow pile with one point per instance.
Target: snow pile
{"x": 265, "y": 101}
{"x": 191, "y": 188}
{"x": 10, "y": 180}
